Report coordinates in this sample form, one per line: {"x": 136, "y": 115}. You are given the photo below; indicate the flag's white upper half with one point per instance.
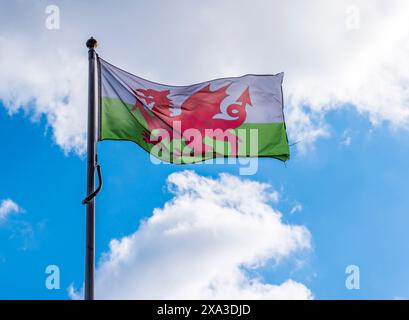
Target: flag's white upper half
{"x": 265, "y": 92}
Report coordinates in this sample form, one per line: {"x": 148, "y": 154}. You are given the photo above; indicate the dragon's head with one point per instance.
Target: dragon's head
{"x": 158, "y": 98}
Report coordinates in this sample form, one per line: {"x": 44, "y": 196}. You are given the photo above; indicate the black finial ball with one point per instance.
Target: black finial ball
{"x": 91, "y": 43}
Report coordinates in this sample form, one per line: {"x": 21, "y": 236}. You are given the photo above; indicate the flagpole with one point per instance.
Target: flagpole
{"x": 91, "y": 165}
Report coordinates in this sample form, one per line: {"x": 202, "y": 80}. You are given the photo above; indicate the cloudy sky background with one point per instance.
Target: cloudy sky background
{"x": 162, "y": 232}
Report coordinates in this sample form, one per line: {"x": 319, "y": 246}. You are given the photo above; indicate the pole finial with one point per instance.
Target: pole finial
{"x": 91, "y": 43}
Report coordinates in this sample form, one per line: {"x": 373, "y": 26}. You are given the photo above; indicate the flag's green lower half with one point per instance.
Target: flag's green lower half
{"x": 121, "y": 121}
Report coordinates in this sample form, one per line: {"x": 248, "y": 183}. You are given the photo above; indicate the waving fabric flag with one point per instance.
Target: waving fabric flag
{"x": 229, "y": 117}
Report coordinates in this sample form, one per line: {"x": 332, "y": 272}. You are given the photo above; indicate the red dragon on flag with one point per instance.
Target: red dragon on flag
{"x": 198, "y": 112}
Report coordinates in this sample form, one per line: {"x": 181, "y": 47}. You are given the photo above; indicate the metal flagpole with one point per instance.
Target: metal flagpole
{"x": 91, "y": 165}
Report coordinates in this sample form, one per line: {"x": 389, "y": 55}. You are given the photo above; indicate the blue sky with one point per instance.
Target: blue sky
{"x": 348, "y": 171}
{"x": 353, "y": 198}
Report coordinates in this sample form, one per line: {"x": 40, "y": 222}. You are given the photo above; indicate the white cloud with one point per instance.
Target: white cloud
{"x": 73, "y": 294}
{"x": 296, "y": 208}
{"x": 327, "y": 65}
{"x": 46, "y": 82}
{"x": 200, "y": 244}
{"x": 346, "y": 138}
{"x": 7, "y": 207}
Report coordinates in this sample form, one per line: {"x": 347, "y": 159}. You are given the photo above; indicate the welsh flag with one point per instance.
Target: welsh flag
{"x": 229, "y": 117}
